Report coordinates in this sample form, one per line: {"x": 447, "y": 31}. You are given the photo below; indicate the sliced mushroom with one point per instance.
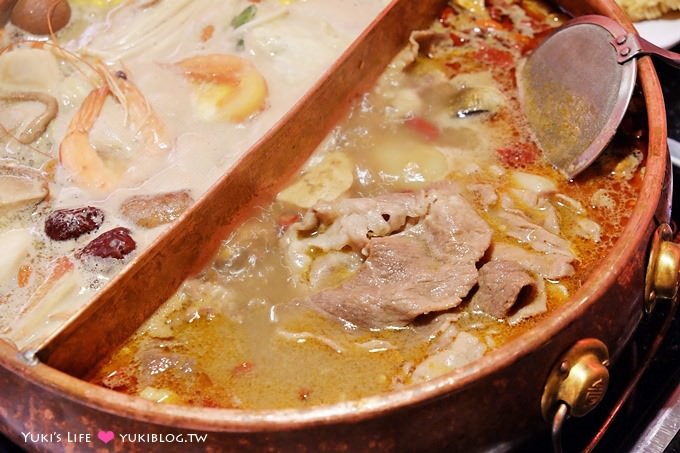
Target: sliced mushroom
{"x": 588, "y": 229}
{"x": 473, "y": 100}
{"x": 150, "y": 211}
{"x": 405, "y": 163}
{"x": 324, "y": 182}
{"x": 473, "y": 6}
{"x": 37, "y": 127}
{"x": 50, "y": 299}
{"x": 422, "y": 42}
{"x": 533, "y": 183}
{"x": 29, "y": 69}
{"x": 15, "y": 245}
{"x": 41, "y": 17}
{"x": 6, "y": 11}
{"x": 21, "y": 186}
{"x": 160, "y": 395}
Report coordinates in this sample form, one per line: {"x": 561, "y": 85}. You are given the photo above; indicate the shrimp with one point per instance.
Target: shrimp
{"x": 76, "y": 153}
{"x": 141, "y": 115}
{"x": 80, "y": 158}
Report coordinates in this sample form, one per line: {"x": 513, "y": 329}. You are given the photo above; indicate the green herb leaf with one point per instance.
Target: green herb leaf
{"x": 244, "y": 17}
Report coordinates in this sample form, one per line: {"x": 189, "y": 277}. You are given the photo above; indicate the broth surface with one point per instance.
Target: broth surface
{"x": 443, "y": 118}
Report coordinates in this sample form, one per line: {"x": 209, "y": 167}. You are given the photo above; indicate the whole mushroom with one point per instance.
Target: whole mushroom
{"x": 6, "y": 10}
{"x": 36, "y": 16}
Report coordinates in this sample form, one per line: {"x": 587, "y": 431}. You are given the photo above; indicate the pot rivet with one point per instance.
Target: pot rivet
{"x": 625, "y": 51}
{"x": 564, "y": 367}
{"x": 621, "y": 39}
{"x": 580, "y": 379}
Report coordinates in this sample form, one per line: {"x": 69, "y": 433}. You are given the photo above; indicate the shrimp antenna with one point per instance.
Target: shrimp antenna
{"x": 6, "y": 133}
{"x": 73, "y": 58}
{"x": 115, "y": 89}
{"x": 50, "y": 12}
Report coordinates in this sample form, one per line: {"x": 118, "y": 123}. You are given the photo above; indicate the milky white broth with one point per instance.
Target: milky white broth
{"x": 290, "y": 43}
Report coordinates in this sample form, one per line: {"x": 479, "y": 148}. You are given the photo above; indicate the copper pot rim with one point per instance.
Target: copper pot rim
{"x": 240, "y": 420}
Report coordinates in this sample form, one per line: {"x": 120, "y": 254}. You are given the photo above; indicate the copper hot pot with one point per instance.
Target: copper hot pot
{"x": 492, "y": 401}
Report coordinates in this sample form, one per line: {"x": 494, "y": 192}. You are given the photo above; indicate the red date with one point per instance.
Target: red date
{"x": 65, "y": 224}
{"x": 114, "y": 243}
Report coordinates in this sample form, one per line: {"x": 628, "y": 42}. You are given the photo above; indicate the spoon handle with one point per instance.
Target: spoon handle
{"x": 669, "y": 57}
{"x": 628, "y": 45}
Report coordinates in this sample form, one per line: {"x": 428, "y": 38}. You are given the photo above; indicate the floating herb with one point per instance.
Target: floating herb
{"x": 244, "y": 17}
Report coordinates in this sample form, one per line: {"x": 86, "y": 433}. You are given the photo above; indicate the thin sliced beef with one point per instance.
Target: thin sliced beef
{"x": 532, "y": 305}
{"x": 428, "y": 267}
{"x": 484, "y": 194}
{"x": 453, "y": 229}
{"x": 537, "y": 237}
{"x": 550, "y": 266}
{"x": 354, "y": 221}
{"x": 329, "y": 269}
{"x": 383, "y": 214}
{"x": 421, "y": 251}
{"x": 350, "y": 223}
{"x": 399, "y": 281}
{"x": 500, "y": 285}
{"x": 465, "y": 348}
{"x": 543, "y": 211}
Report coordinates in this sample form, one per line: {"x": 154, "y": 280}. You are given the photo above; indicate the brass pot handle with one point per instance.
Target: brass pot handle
{"x": 588, "y": 359}
{"x": 661, "y": 281}
{"x": 579, "y": 379}
{"x": 576, "y": 385}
